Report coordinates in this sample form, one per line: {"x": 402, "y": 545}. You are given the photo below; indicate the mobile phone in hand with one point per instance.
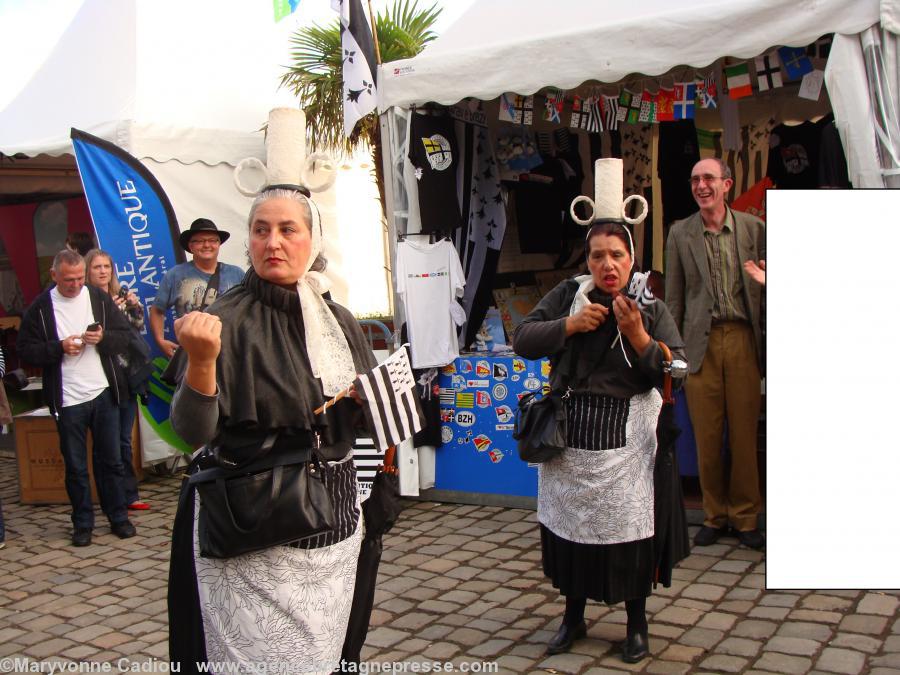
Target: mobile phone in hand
{"x": 94, "y": 326}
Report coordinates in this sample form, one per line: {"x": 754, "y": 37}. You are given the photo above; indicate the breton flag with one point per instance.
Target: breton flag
{"x": 390, "y": 401}
{"x": 358, "y": 53}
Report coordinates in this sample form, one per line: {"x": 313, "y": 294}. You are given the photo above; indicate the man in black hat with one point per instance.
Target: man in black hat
{"x": 195, "y": 284}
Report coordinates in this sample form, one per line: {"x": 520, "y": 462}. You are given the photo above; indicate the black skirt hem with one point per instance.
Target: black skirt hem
{"x": 609, "y": 573}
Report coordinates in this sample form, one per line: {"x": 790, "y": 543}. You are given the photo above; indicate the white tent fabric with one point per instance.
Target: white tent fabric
{"x": 845, "y": 77}
{"x": 144, "y": 60}
{"x": 522, "y": 46}
{"x": 189, "y": 111}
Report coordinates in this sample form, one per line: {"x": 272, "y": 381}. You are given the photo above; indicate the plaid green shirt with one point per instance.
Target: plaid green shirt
{"x": 725, "y": 273}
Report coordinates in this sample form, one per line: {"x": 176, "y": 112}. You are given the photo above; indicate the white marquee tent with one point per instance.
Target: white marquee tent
{"x": 522, "y": 46}
{"x": 183, "y": 86}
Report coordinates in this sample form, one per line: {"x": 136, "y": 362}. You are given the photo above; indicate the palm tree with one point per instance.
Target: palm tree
{"x": 316, "y": 75}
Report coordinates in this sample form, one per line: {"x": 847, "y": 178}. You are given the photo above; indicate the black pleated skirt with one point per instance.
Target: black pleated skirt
{"x": 607, "y": 573}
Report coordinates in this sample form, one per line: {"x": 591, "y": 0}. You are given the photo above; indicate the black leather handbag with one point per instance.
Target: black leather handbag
{"x": 541, "y": 426}
{"x": 271, "y": 500}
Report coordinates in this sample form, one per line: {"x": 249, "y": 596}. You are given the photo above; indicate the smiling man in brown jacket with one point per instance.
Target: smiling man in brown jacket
{"x": 719, "y": 311}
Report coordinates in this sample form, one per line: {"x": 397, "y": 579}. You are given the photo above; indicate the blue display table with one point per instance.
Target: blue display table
{"x": 479, "y": 394}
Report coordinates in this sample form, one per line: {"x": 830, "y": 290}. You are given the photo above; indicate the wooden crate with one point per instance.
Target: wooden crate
{"x": 42, "y": 472}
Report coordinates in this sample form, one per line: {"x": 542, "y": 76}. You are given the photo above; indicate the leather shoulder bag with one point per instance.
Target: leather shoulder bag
{"x": 541, "y": 426}
{"x": 270, "y": 499}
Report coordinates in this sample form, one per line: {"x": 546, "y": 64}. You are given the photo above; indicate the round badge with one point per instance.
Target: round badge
{"x": 446, "y": 434}
{"x": 499, "y": 391}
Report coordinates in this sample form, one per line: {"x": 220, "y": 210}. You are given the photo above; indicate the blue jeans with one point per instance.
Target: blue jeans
{"x": 101, "y": 416}
{"x": 127, "y": 413}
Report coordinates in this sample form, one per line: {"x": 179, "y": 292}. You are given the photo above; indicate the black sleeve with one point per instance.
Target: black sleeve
{"x": 543, "y": 331}
{"x": 116, "y": 332}
{"x": 32, "y": 345}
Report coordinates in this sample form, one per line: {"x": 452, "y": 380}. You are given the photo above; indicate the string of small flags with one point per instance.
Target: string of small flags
{"x": 597, "y": 111}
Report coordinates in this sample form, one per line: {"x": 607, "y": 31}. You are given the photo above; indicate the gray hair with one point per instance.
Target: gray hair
{"x": 66, "y": 257}
{"x": 321, "y": 262}
{"x": 723, "y": 167}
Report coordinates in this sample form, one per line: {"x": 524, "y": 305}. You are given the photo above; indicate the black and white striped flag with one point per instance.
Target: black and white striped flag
{"x": 390, "y": 400}
{"x": 358, "y": 53}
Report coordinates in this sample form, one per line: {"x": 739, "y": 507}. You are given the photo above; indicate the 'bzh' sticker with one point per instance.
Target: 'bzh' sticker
{"x": 464, "y": 418}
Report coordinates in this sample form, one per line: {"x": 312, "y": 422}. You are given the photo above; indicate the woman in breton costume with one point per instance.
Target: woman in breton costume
{"x": 264, "y": 356}
{"x": 595, "y": 499}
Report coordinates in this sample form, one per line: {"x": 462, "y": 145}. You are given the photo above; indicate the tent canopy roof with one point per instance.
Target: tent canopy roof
{"x": 523, "y": 46}
{"x": 160, "y": 78}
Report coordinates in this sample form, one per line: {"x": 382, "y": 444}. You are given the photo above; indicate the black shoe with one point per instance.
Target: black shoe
{"x": 636, "y": 647}
{"x": 123, "y": 530}
{"x": 707, "y": 536}
{"x": 81, "y": 536}
{"x": 752, "y": 539}
{"x": 564, "y": 638}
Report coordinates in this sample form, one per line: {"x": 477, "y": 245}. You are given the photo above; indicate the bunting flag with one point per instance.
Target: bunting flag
{"x": 768, "y": 71}
{"x": 611, "y": 112}
{"x": 665, "y": 105}
{"x": 648, "y": 108}
{"x": 136, "y": 223}
{"x": 820, "y": 49}
{"x": 737, "y": 78}
{"x": 586, "y": 114}
{"x": 390, "y": 401}
{"x": 359, "y": 96}
{"x": 284, "y": 8}
{"x": 707, "y": 91}
{"x": 685, "y": 100}
{"x": 517, "y": 109}
{"x": 623, "y": 105}
{"x": 795, "y": 61}
{"x": 633, "y": 111}
{"x": 553, "y": 106}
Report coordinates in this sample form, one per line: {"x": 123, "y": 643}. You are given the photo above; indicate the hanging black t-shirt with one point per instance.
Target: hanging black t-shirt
{"x": 678, "y": 153}
{"x": 832, "y": 161}
{"x": 794, "y": 156}
{"x": 434, "y": 153}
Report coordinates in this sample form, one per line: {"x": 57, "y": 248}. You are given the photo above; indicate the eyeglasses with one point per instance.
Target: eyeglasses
{"x": 706, "y": 178}
{"x": 201, "y": 242}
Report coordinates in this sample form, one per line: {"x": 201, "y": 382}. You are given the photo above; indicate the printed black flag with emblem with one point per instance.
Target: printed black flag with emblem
{"x": 358, "y": 52}
{"x": 390, "y": 401}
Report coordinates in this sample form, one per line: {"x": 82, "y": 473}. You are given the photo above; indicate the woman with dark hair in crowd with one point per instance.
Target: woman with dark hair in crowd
{"x": 81, "y": 242}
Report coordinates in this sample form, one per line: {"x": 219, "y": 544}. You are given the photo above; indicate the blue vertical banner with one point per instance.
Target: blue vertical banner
{"x": 136, "y": 225}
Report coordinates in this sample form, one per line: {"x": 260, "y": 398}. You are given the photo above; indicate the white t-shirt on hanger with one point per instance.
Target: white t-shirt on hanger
{"x": 429, "y": 279}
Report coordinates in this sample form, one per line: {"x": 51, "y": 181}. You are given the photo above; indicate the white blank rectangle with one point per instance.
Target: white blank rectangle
{"x": 833, "y": 389}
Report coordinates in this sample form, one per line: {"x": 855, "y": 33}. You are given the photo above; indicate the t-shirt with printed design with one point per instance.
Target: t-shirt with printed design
{"x": 429, "y": 279}
{"x": 184, "y": 286}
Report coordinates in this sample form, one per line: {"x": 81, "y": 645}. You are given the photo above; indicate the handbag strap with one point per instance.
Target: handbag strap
{"x": 667, "y": 378}
{"x": 211, "y": 285}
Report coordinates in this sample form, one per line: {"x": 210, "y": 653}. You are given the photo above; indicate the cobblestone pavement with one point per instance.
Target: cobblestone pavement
{"x": 457, "y": 583}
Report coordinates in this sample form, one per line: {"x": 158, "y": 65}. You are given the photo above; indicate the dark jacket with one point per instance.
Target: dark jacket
{"x": 39, "y": 345}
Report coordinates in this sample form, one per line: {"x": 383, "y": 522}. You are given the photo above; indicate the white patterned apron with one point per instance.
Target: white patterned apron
{"x": 602, "y": 491}
{"x": 283, "y": 609}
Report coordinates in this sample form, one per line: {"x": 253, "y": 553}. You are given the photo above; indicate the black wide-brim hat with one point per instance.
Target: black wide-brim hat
{"x": 201, "y": 225}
